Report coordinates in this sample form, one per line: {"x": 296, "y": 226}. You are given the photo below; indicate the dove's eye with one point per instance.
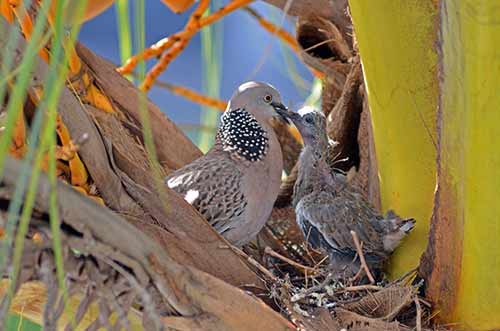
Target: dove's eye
{"x": 268, "y": 98}
{"x": 309, "y": 119}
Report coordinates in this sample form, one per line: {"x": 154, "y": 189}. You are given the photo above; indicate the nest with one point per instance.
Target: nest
{"x": 144, "y": 268}
{"x": 306, "y": 291}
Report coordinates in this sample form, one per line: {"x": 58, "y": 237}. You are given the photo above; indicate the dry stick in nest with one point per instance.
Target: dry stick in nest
{"x": 307, "y": 246}
{"x": 358, "y": 274}
{"x": 362, "y": 257}
{"x": 253, "y": 262}
{"x": 419, "y": 315}
{"x": 327, "y": 280}
{"x": 407, "y": 277}
{"x": 269, "y": 251}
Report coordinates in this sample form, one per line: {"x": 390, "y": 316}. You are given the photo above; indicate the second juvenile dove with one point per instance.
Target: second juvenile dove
{"x": 328, "y": 209}
{"x": 235, "y": 184}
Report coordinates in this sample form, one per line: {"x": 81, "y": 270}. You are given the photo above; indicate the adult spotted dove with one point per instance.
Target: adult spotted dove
{"x": 234, "y": 185}
{"x": 328, "y": 209}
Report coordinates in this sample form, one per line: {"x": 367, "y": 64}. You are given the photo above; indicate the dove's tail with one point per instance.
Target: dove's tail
{"x": 397, "y": 229}
{"x": 407, "y": 225}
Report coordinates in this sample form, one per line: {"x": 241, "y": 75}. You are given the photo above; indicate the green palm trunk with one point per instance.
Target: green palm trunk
{"x": 432, "y": 70}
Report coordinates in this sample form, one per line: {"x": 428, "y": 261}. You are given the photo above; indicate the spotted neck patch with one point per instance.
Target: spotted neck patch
{"x": 241, "y": 133}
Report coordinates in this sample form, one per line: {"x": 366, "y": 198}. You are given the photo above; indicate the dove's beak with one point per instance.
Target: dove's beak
{"x": 282, "y": 111}
{"x": 295, "y": 118}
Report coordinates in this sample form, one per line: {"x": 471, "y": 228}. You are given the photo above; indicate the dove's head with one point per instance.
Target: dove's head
{"x": 260, "y": 100}
{"x": 312, "y": 127}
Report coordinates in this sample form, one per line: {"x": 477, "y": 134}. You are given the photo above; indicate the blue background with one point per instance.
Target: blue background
{"x": 249, "y": 53}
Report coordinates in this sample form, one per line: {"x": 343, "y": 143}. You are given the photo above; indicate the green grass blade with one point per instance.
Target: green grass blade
{"x": 123, "y": 29}
{"x": 53, "y": 85}
{"x": 6, "y": 61}
{"x": 22, "y": 229}
{"x": 211, "y": 46}
{"x": 147, "y": 132}
{"x": 18, "y": 95}
{"x": 58, "y": 71}
{"x": 123, "y": 24}
{"x": 16, "y": 101}
{"x": 50, "y": 129}
{"x": 17, "y": 198}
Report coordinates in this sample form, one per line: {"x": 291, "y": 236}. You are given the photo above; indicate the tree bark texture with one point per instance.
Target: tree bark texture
{"x": 115, "y": 158}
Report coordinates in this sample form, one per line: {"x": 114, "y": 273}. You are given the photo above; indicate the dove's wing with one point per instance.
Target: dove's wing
{"x": 329, "y": 218}
{"x": 212, "y": 185}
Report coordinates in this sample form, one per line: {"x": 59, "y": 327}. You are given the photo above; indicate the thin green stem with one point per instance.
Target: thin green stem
{"x": 211, "y": 46}
{"x": 57, "y": 75}
{"x": 54, "y": 83}
{"x": 123, "y": 28}
{"x": 16, "y": 101}
{"x": 19, "y": 92}
{"x": 147, "y": 132}
{"x": 9, "y": 75}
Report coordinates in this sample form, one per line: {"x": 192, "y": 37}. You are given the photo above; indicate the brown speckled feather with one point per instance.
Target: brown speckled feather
{"x": 235, "y": 184}
{"x": 213, "y": 183}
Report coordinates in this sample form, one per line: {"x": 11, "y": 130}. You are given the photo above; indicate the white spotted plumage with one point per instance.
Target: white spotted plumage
{"x": 240, "y": 132}
{"x": 234, "y": 185}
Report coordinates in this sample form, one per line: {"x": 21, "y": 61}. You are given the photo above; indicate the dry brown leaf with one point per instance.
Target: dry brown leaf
{"x": 353, "y": 322}
{"x": 384, "y": 304}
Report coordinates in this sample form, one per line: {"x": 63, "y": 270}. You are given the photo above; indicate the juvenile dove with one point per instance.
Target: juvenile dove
{"x": 235, "y": 184}
{"x": 328, "y": 209}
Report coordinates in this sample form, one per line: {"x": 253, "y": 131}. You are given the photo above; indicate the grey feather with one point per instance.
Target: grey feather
{"x": 329, "y": 208}
{"x": 235, "y": 184}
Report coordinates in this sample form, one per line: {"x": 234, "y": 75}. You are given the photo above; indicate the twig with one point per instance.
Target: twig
{"x": 253, "y": 262}
{"x": 168, "y": 42}
{"x": 419, "y": 315}
{"x": 193, "y": 95}
{"x": 411, "y": 273}
{"x": 426, "y": 303}
{"x": 192, "y": 26}
{"x": 320, "y": 286}
{"x": 316, "y": 266}
{"x": 269, "y": 251}
{"x": 281, "y": 34}
{"x": 357, "y": 275}
{"x": 362, "y": 257}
